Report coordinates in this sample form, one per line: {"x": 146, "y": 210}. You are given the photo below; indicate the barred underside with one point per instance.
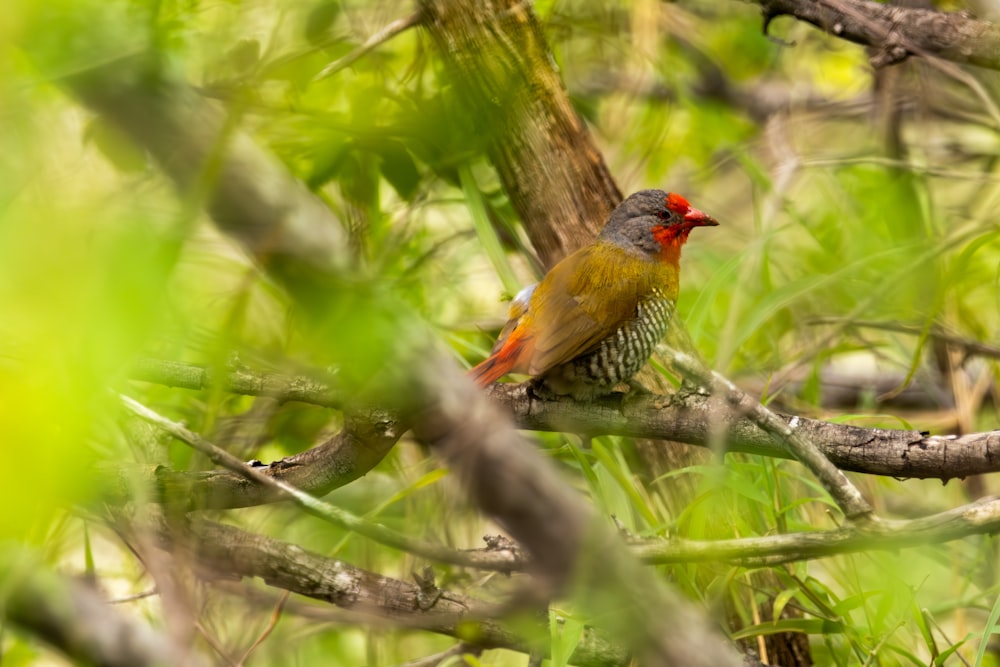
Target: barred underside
{"x": 619, "y": 356}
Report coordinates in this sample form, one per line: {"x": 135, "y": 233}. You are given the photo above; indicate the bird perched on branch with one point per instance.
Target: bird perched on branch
{"x": 594, "y": 319}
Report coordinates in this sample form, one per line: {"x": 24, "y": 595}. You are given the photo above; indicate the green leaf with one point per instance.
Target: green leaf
{"x": 319, "y": 21}
{"x": 782, "y": 599}
{"x": 565, "y": 633}
{"x": 811, "y": 626}
{"x": 487, "y": 235}
{"x": 328, "y": 164}
{"x": 948, "y": 652}
{"x": 244, "y": 56}
{"x": 990, "y": 628}
{"x": 398, "y": 168}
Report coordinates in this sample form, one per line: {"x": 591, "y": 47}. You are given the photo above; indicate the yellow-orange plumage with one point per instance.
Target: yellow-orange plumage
{"x": 594, "y": 318}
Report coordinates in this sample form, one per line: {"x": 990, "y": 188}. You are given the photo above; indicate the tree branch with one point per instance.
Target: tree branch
{"x": 345, "y": 457}
{"x": 847, "y": 496}
{"x": 896, "y": 32}
{"x": 875, "y": 451}
{"x": 72, "y": 616}
{"x": 380, "y": 37}
{"x": 978, "y": 518}
{"x": 232, "y": 551}
{"x": 282, "y": 490}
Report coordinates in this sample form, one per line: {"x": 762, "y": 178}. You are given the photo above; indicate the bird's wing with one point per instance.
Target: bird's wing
{"x": 583, "y": 300}
{"x": 518, "y": 307}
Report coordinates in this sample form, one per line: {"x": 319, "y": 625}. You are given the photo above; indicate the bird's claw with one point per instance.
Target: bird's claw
{"x": 688, "y": 389}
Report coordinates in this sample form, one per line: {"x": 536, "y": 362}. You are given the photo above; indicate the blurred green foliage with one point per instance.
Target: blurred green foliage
{"x": 823, "y": 217}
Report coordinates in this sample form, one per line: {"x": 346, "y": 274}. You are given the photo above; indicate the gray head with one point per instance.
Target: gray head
{"x": 651, "y": 220}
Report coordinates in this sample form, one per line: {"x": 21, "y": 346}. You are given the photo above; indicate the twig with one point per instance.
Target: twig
{"x": 136, "y": 596}
{"x": 240, "y": 380}
{"x": 843, "y": 492}
{"x": 438, "y": 658}
{"x": 981, "y": 517}
{"x": 315, "y": 506}
{"x": 380, "y": 37}
{"x": 272, "y": 624}
{"x": 74, "y": 618}
{"x": 969, "y": 346}
{"x": 361, "y": 596}
{"x": 216, "y": 645}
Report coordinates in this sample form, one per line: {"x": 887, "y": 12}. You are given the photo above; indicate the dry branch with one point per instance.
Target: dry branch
{"x": 373, "y": 597}
{"x": 72, "y": 616}
{"x": 691, "y": 419}
{"x": 343, "y": 458}
{"x": 897, "y": 32}
{"x": 979, "y": 518}
{"x": 280, "y": 489}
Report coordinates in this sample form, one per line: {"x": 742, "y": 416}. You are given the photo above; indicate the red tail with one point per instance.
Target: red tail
{"x": 499, "y": 363}
{"x": 489, "y": 371}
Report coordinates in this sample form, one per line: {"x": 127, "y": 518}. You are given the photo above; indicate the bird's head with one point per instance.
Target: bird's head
{"x": 654, "y": 222}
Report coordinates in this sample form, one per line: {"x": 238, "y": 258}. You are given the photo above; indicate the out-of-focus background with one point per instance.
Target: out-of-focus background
{"x": 855, "y": 266}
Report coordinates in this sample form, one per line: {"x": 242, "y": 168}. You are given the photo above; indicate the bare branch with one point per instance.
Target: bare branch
{"x": 371, "y": 596}
{"x": 72, "y": 616}
{"x": 970, "y": 347}
{"x": 326, "y": 511}
{"x": 875, "y": 451}
{"x": 372, "y": 43}
{"x": 979, "y": 518}
{"x": 364, "y": 441}
{"x": 897, "y": 32}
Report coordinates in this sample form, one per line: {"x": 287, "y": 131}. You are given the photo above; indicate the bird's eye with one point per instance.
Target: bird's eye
{"x": 663, "y": 214}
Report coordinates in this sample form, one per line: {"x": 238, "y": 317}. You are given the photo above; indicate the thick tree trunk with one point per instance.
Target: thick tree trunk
{"x": 497, "y": 59}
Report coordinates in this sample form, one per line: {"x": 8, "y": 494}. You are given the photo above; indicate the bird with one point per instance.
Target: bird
{"x": 594, "y": 319}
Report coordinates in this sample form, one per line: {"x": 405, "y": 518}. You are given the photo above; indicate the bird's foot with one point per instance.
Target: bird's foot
{"x": 539, "y": 391}
{"x": 688, "y": 389}
{"x": 636, "y": 388}
{"x": 636, "y": 393}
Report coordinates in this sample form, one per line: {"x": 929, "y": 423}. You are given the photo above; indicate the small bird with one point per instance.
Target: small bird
{"x": 594, "y": 319}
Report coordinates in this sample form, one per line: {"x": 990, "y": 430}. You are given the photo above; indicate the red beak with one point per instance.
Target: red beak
{"x": 696, "y": 218}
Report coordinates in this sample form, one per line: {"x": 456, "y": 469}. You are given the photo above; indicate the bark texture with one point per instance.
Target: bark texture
{"x": 895, "y": 32}
{"x": 496, "y": 56}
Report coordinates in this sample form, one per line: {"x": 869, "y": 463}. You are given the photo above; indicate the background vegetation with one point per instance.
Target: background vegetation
{"x": 858, "y": 226}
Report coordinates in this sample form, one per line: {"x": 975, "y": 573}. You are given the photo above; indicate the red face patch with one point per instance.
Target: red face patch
{"x": 671, "y": 235}
{"x": 677, "y": 204}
